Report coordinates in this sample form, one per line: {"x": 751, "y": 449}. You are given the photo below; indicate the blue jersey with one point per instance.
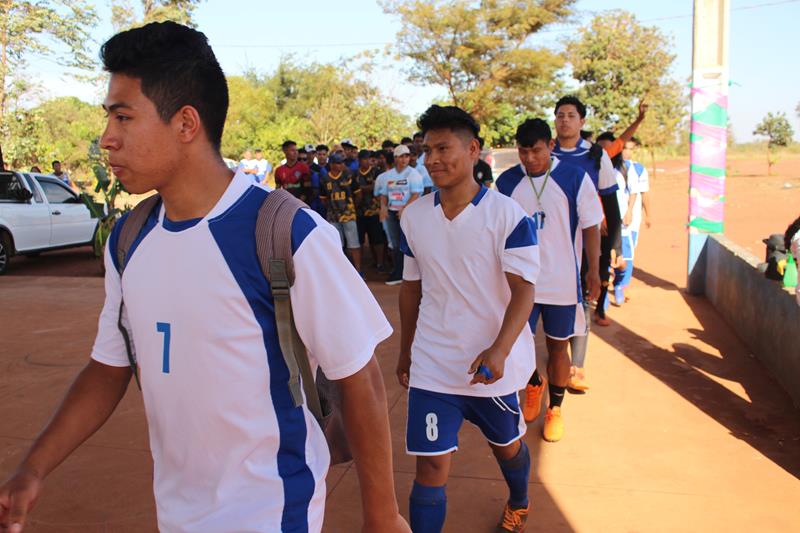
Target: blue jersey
{"x": 604, "y": 177}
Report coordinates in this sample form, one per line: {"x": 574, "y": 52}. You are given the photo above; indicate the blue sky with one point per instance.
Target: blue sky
{"x": 763, "y": 68}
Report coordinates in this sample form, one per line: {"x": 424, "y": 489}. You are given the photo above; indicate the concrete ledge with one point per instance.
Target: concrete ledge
{"x": 764, "y": 314}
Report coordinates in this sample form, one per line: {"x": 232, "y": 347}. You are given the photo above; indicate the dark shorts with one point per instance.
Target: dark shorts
{"x": 372, "y": 228}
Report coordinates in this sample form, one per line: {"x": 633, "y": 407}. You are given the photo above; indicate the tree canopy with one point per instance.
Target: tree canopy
{"x": 481, "y": 54}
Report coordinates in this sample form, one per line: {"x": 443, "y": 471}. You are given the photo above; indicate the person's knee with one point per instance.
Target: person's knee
{"x": 506, "y": 453}
{"x": 433, "y": 470}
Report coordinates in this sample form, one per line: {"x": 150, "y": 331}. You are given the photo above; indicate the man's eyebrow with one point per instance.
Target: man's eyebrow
{"x": 114, "y": 107}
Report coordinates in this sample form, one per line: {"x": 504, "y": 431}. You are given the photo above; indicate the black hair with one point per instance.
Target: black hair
{"x": 321, "y": 147}
{"x": 586, "y": 134}
{"x": 375, "y": 153}
{"x": 532, "y": 131}
{"x": 481, "y": 142}
{"x": 176, "y": 67}
{"x": 448, "y": 117}
{"x": 418, "y": 135}
{"x": 287, "y": 144}
{"x": 606, "y": 136}
{"x": 388, "y": 143}
{"x": 364, "y": 154}
{"x": 791, "y": 231}
{"x": 617, "y": 161}
{"x": 406, "y": 140}
{"x": 258, "y": 150}
{"x": 302, "y": 150}
{"x": 389, "y": 156}
{"x": 636, "y": 141}
{"x": 56, "y": 162}
{"x": 571, "y": 100}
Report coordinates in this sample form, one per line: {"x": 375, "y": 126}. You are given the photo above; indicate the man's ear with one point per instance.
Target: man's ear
{"x": 187, "y": 123}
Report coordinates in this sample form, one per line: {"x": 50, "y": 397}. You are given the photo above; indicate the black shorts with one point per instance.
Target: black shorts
{"x": 372, "y": 228}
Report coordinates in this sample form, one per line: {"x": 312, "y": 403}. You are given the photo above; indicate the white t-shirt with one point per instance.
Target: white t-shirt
{"x": 398, "y": 187}
{"x": 604, "y": 178}
{"x": 248, "y": 164}
{"x": 570, "y": 205}
{"x": 461, "y": 263}
{"x": 638, "y": 182}
{"x": 262, "y": 167}
{"x": 231, "y": 451}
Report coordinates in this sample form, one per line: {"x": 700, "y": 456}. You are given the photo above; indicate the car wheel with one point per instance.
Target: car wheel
{"x": 5, "y": 252}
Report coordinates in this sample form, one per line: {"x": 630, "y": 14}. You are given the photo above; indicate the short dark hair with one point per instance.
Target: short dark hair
{"x": 56, "y": 162}
{"x": 586, "y": 134}
{"x": 448, "y": 117}
{"x": 571, "y": 100}
{"x": 287, "y": 144}
{"x": 406, "y": 140}
{"x": 321, "y": 147}
{"x": 388, "y": 143}
{"x": 418, "y": 135}
{"x": 258, "y": 150}
{"x": 606, "y": 136}
{"x": 389, "y": 156}
{"x": 302, "y": 150}
{"x": 176, "y": 67}
{"x": 636, "y": 141}
{"x": 532, "y": 131}
{"x": 364, "y": 154}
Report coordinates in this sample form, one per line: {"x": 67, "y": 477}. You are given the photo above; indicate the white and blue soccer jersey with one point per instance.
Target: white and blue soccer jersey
{"x": 569, "y": 204}
{"x": 231, "y": 452}
{"x": 462, "y": 264}
{"x": 604, "y": 178}
{"x": 638, "y": 183}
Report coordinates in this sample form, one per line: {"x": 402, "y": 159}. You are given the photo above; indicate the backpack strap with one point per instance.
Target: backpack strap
{"x": 131, "y": 227}
{"x": 274, "y": 249}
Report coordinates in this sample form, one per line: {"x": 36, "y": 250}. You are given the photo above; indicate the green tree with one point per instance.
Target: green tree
{"x": 125, "y": 14}
{"x": 480, "y": 53}
{"x": 778, "y": 131}
{"x": 29, "y": 27}
{"x": 619, "y": 62}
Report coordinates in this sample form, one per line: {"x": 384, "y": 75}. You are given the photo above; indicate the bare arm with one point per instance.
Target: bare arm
{"x": 629, "y": 212}
{"x": 591, "y": 243}
{"x": 627, "y": 135}
{"x": 384, "y": 208}
{"x": 646, "y": 207}
{"x": 89, "y": 402}
{"x": 367, "y": 423}
{"x": 517, "y": 313}
{"x": 410, "y": 298}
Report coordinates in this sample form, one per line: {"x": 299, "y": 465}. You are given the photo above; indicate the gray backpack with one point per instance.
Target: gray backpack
{"x": 274, "y": 248}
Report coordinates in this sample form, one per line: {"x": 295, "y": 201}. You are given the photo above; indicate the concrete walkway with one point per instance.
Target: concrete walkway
{"x": 682, "y": 430}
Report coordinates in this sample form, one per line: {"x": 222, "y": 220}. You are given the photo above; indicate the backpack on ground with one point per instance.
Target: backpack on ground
{"x": 274, "y": 248}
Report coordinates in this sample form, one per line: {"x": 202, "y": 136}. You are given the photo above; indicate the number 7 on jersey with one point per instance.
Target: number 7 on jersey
{"x": 166, "y": 329}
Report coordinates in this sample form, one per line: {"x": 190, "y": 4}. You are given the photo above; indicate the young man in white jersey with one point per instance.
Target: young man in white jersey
{"x": 563, "y": 203}
{"x": 634, "y": 185}
{"x": 570, "y": 117}
{"x": 471, "y": 257}
{"x": 231, "y": 450}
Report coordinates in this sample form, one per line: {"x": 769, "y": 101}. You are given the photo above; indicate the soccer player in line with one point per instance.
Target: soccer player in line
{"x": 471, "y": 262}
{"x": 340, "y": 191}
{"x": 570, "y": 116}
{"x": 231, "y": 451}
{"x": 369, "y": 208}
{"x": 294, "y": 175}
{"x": 398, "y": 188}
{"x": 562, "y": 201}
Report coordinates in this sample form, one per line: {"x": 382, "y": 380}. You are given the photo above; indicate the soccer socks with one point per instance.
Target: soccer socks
{"x": 428, "y": 507}
{"x": 517, "y": 472}
{"x": 536, "y": 379}
{"x": 556, "y": 395}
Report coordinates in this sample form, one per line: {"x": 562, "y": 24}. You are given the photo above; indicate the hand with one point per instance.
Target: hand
{"x": 384, "y": 214}
{"x": 400, "y": 212}
{"x": 647, "y": 221}
{"x": 642, "y": 109}
{"x": 403, "y": 369}
{"x": 17, "y": 497}
{"x": 604, "y": 228}
{"x": 494, "y": 359}
{"x": 396, "y": 524}
{"x": 593, "y": 285}
{"x": 626, "y": 221}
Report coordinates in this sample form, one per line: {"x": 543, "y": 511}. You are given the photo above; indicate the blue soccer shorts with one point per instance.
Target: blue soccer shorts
{"x": 560, "y": 322}
{"x": 435, "y": 418}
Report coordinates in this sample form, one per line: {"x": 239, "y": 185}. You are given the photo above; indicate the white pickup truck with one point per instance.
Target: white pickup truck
{"x": 39, "y": 212}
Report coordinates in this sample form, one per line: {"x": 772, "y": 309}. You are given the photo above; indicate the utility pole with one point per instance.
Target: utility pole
{"x": 709, "y": 131}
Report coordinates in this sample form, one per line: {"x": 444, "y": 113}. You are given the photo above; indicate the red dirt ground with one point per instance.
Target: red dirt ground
{"x": 683, "y": 430}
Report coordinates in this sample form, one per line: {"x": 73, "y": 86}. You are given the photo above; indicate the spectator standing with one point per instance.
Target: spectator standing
{"x": 294, "y": 175}
{"x": 340, "y": 191}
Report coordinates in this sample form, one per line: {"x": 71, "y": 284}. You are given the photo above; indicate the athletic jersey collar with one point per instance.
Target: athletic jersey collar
{"x": 582, "y": 144}
{"x": 475, "y": 200}
{"x": 240, "y": 183}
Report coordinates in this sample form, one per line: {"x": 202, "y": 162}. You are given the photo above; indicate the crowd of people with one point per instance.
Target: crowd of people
{"x": 192, "y": 316}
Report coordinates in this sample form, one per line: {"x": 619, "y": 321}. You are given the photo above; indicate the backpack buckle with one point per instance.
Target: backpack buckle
{"x": 279, "y": 279}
